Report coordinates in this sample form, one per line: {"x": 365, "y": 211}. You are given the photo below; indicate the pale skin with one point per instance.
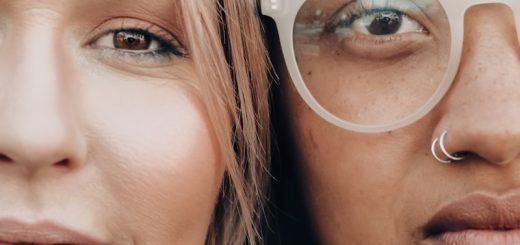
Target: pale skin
{"x": 99, "y": 140}
{"x": 383, "y": 188}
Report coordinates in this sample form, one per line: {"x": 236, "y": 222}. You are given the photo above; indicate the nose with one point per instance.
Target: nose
{"x": 481, "y": 111}
{"x": 39, "y": 125}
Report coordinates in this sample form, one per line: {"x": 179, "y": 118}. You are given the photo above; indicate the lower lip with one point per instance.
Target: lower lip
{"x": 476, "y": 237}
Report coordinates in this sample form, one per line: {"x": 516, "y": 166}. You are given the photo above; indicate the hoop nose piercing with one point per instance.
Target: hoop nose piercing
{"x": 443, "y": 150}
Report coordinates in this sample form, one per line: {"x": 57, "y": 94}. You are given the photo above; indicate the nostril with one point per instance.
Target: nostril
{"x": 5, "y": 159}
{"x": 63, "y": 163}
{"x": 465, "y": 155}
{"x": 462, "y": 154}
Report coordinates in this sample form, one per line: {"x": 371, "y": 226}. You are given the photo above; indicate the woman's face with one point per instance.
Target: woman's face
{"x": 386, "y": 188}
{"x": 103, "y": 136}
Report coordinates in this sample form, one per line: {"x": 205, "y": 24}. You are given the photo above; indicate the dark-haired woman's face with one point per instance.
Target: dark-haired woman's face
{"x": 387, "y": 188}
{"x": 104, "y": 138}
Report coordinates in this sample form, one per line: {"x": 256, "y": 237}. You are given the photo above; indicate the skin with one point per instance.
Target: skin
{"x": 115, "y": 147}
{"x": 382, "y": 188}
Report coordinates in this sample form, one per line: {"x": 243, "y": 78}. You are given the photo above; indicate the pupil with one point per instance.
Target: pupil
{"x": 131, "y": 40}
{"x": 386, "y": 23}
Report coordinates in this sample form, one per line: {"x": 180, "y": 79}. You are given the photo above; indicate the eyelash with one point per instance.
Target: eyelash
{"x": 355, "y": 11}
{"x": 350, "y": 12}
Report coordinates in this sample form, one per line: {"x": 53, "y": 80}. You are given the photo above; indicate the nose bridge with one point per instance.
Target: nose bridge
{"x": 457, "y": 9}
{"x": 36, "y": 82}
{"x": 36, "y": 125}
{"x": 37, "y": 72}
{"x": 490, "y": 55}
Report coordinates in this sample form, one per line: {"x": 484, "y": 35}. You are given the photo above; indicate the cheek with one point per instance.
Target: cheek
{"x": 357, "y": 185}
{"x": 157, "y": 154}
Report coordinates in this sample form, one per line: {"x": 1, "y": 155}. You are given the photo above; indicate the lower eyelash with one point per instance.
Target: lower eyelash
{"x": 157, "y": 57}
{"x": 168, "y": 45}
{"x": 177, "y": 51}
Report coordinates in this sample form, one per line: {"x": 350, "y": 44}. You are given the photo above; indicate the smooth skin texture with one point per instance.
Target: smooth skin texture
{"x": 382, "y": 188}
{"x": 104, "y": 140}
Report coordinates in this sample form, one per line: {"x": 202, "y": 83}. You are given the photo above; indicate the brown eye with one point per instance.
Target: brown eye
{"x": 139, "y": 42}
{"x": 131, "y": 40}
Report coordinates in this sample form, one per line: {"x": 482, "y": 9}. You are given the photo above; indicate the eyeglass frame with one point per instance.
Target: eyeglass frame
{"x": 284, "y": 13}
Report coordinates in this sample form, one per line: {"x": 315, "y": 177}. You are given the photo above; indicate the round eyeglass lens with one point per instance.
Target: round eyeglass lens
{"x": 372, "y": 62}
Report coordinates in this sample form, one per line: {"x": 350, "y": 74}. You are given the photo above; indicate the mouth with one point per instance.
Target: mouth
{"x": 477, "y": 219}
{"x": 13, "y": 232}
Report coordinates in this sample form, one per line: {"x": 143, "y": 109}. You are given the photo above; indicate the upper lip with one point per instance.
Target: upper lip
{"x": 46, "y": 232}
{"x": 476, "y": 212}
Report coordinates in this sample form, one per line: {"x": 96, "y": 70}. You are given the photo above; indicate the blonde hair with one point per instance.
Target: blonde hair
{"x": 227, "y": 46}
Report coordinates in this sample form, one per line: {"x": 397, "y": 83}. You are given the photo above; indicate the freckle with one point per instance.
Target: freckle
{"x": 309, "y": 73}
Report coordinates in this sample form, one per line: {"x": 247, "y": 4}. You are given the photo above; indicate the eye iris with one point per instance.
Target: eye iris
{"x": 131, "y": 40}
{"x": 385, "y": 23}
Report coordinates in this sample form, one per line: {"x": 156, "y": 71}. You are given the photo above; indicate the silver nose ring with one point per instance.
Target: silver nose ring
{"x": 450, "y": 157}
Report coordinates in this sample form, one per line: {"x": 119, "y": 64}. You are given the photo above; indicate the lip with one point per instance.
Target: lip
{"x": 476, "y": 219}
{"x": 46, "y": 232}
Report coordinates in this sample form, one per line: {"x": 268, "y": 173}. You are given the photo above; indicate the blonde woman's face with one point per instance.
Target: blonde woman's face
{"x": 387, "y": 188}
{"x": 104, "y": 138}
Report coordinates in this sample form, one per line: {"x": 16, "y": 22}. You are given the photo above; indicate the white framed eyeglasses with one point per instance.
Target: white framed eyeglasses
{"x": 373, "y": 65}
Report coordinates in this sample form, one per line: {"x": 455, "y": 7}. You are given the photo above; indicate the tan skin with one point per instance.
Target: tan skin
{"x": 383, "y": 188}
